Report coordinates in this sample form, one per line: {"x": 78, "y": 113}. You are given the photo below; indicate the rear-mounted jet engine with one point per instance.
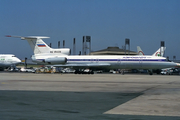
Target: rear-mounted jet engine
{"x": 56, "y": 60}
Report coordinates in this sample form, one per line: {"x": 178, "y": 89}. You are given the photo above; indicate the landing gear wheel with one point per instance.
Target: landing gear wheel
{"x": 150, "y": 72}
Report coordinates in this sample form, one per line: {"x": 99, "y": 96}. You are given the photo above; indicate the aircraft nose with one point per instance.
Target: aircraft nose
{"x": 178, "y": 65}
{"x": 18, "y": 60}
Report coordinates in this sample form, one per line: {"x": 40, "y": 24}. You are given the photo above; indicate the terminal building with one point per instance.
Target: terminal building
{"x": 113, "y": 51}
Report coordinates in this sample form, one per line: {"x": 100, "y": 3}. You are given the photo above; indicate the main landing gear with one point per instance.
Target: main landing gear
{"x": 150, "y": 72}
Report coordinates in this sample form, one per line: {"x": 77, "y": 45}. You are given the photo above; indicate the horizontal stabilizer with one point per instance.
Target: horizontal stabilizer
{"x": 29, "y": 37}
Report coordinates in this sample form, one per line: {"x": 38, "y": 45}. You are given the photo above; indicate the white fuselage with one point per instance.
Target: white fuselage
{"x": 113, "y": 61}
{"x": 7, "y": 60}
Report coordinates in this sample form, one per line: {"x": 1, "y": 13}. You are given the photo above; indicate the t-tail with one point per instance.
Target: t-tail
{"x": 40, "y": 47}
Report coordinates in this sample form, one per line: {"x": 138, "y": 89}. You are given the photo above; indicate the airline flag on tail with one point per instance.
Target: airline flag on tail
{"x": 41, "y": 45}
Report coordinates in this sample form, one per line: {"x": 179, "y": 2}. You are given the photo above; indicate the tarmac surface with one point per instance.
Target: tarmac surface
{"x": 28, "y": 96}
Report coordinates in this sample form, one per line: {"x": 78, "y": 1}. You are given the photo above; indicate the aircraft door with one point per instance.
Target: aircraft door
{"x": 97, "y": 60}
{"x": 119, "y": 62}
{"x": 92, "y": 60}
{"x": 140, "y": 62}
{"x": 2, "y": 59}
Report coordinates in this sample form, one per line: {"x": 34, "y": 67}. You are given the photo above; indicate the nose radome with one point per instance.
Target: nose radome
{"x": 18, "y": 60}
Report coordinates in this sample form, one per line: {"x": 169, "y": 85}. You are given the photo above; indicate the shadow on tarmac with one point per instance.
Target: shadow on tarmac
{"x": 49, "y": 105}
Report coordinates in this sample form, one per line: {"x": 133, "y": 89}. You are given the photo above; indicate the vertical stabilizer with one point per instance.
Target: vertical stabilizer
{"x": 38, "y": 46}
{"x": 160, "y": 52}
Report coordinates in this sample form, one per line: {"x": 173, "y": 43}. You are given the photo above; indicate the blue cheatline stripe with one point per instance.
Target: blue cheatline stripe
{"x": 119, "y": 60}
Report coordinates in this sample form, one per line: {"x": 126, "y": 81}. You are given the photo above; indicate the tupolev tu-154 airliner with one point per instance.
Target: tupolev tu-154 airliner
{"x": 60, "y": 57}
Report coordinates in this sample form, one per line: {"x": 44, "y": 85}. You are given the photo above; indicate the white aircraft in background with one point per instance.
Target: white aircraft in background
{"x": 159, "y": 52}
{"x": 46, "y": 55}
{"x": 8, "y": 60}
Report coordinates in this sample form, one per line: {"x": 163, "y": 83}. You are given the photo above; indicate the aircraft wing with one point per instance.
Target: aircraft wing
{"x": 83, "y": 65}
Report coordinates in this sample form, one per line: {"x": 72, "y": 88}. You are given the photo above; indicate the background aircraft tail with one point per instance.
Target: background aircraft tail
{"x": 160, "y": 52}
{"x": 139, "y": 51}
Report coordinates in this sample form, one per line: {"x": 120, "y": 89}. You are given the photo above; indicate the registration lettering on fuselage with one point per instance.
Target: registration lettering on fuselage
{"x": 55, "y": 51}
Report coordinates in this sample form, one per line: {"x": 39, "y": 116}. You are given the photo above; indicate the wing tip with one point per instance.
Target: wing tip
{"x": 8, "y": 36}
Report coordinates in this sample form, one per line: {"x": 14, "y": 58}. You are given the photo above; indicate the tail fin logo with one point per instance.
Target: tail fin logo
{"x": 41, "y": 45}
{"x": 157, "y": 54}
{"x": 140, "y": 53}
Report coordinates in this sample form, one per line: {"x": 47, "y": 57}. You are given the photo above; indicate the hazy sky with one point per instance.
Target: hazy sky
{"x": 108, "y": 22}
